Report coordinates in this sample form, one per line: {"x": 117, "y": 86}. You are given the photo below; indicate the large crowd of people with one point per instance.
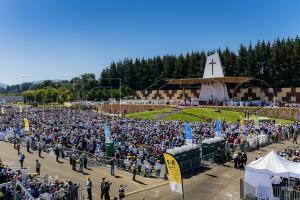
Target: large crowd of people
{"x": 34, "y": 185}
{"x": 82, "y": 134}
{"x": 83, "y": 130}
{"x": 291, "y": 153}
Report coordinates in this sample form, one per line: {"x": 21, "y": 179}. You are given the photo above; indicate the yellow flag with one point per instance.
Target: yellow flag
{"x": 174, "y": 173}
{"x": 242, "y": 121}
{"x": 26, "y": 124}
{"x": 2, "y": 110}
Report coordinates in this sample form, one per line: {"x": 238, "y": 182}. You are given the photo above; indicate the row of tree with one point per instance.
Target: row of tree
{"x": 276, "y": 63}
{"x": 84, "y": 87}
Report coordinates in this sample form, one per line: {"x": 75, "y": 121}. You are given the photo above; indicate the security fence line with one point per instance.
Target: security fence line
{"x": 247, "y": 191}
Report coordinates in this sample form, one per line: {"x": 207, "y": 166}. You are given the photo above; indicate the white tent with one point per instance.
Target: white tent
{"x": 272, "y": 164}
{"x": 259, "y": 172}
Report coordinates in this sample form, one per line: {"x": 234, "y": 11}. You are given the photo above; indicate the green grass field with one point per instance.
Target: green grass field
{"x": 149, "y": 114}
{"x": 199, "y": 114}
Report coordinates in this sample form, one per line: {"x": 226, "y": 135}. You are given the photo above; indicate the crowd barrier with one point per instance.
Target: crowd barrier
{"x": 253, "y": 142}
{"x": 248, "y": 191}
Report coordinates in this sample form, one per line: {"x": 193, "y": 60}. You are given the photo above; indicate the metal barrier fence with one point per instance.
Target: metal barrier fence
{"x": 74, "y": 194}
{"x": 249, "y": 192}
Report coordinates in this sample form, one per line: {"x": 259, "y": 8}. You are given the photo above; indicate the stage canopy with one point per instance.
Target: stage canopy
{"x": 191, "y": 81}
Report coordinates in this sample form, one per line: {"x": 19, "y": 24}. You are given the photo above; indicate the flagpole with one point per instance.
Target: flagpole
{"x": 182, "y": 189}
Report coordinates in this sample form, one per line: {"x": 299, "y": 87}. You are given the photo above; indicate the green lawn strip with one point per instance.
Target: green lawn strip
{"x": 204, "y": 114}
{"x": 149, "y": 114}
{"x": 183, "y": 117}
{"x": 210, "y": 113}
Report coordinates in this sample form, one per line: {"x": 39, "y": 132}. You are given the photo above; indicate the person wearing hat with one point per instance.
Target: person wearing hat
{"x": 122, "y": 192}
{"x": 89, "y": 188}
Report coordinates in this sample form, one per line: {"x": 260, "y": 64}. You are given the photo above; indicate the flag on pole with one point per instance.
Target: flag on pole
{"x": 107, "y": 133}
{"x": 242, "y": 121}
{"x": 218, "y": 127}
{"x": 26, "y": 124}
{"x": 188, "y": 133}
{"x": 174, "y": 173}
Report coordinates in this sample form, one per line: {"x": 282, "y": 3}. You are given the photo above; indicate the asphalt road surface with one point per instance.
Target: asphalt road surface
{"x": 214, "y": 182}
{"x": 64, "y": 171}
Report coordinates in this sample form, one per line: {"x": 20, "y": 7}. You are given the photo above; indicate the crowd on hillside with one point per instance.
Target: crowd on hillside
{"x": 39, "y": 187}
{"x": 83, "y": 130}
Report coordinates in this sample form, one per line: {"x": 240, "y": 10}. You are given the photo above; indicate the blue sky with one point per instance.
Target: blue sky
{"x": 59, "y": 39}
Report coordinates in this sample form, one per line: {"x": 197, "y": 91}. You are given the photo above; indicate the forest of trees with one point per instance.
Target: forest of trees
{"x": 277, "y": 63}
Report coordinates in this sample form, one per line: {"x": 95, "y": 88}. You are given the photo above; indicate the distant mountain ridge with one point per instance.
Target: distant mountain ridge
{"x": 2, "y": 85}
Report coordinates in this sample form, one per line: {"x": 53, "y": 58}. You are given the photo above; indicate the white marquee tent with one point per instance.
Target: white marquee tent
{"x": 259, "y": 172}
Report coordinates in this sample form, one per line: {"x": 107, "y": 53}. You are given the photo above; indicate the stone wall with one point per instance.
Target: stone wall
{"x": 244, "y": 94}
{"x": 281, "y": 112}
{"x": 127, "y": 108}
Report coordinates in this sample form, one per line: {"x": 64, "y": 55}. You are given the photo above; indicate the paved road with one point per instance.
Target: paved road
{"x": 215, "y": 183}
{"x": 63, "y": 170}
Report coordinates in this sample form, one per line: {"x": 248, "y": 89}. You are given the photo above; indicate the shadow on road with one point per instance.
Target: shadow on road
{"x": 211, "y": 175}
{"x": 196, "y": 172}
{"x": 140, "y": 182}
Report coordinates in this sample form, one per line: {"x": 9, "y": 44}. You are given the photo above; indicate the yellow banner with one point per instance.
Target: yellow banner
{"x": 242, "y": 121}
{"x": 174, "y": 173}
{"x": 26, "y": 124}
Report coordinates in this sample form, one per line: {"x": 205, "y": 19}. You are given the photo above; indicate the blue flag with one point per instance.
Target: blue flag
{"x": 107, "y": 133}
{"x": 188, "y": 133}
{"x": 218, "y": 127}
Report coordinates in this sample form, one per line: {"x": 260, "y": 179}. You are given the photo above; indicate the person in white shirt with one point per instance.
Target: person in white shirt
{"x": 276, "y": 180}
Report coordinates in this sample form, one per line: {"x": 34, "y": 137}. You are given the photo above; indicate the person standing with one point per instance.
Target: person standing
{"x": 139, "y": 165}
{"x": 21, "y": 159}
{"x": 102, "y": 187}
{"x": 244, "y": 158}
{"x": 28, "y": 145}
{"x": 38, "y": 167}
{"x": 39, "y": 146}
{"x": 158, "y": 168}
{"x": 18, "y": 147}
{"x": 81, "y": 163}
{"x": 112, "y": 167}
{"x": 85, "y": 160}
{"x": 295, "y": 136}
{"x": 236, "y": 159}
{"x": 56, "y": 151}
{"x": 134, "y": 170}
{"x": 73, "y": 162}
{"x": 89, "y": 188}
{"x": 15, "y": 142}
{"x": 106, "y": 191}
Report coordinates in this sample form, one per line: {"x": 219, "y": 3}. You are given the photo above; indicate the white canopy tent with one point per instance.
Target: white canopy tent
{"x": 259, "y": 172}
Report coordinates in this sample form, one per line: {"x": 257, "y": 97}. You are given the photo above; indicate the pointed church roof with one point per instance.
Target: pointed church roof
{"x": 213, "y": 73}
